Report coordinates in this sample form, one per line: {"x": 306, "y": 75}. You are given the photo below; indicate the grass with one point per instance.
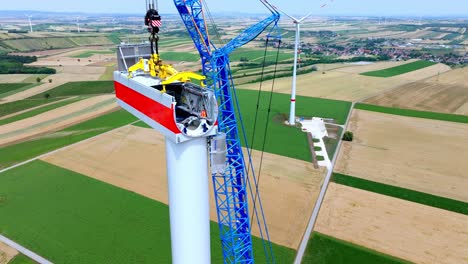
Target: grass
{"x": 257, "y": 55}
{"x": 16, "y": 106}
{"x": 413, "y": 113}
{"x": 13, "y": 154}
{"x": 39, "y": 111}
{"x": 78, "y": 88}
{"x": 82, "y": 220}
{"x": 281, "y": 139}
{"x": 180, "y": 56}
{"x": 108, "y": 74}
{"x": 23, "y": 88}
{"x": 21, "y": 259}
{"x": 11, "y": 87}
{"x": 405, "y": 68}
{"x": 90, "y": 53}
{"x": 317, "y": 148}
{"x": 402, "y": 193}
{"x": 323, "y": 249}
{"x": 320, "y": 158}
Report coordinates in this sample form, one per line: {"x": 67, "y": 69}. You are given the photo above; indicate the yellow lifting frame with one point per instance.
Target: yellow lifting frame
{"x": 156, "y": 68}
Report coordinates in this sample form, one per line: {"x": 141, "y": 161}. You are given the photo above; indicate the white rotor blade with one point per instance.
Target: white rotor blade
{"x": 302, "y": 19}
{"x": 278, "y": 9}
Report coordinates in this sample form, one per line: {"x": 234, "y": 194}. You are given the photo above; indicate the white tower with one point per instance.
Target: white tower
{"x": 30, "y": 23}
{"x": 78, "y": 24}
{"x": 297, "y": 22}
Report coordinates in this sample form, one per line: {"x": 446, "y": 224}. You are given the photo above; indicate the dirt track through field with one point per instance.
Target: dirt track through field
{"x": 133, "y": 158}
{"x": 56, "y": 119}
{"x": 419, "y": 154}
{"x": 403, "y": 229}
{"x": 447, "y": 93}
{"x": 6, "y": 253}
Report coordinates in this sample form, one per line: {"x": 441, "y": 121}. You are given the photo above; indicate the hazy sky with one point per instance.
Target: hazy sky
{"x": 338, "y": 7}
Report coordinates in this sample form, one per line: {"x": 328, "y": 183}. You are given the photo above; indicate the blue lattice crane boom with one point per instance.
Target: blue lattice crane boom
{"x": 230, "y": 183}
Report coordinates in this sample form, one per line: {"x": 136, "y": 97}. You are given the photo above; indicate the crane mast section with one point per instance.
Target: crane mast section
{"x": 230, "y": 185}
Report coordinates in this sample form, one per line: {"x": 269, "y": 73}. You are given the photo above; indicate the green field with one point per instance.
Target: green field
{"x": 180, "y": 56}
{"x": 108, "y": 74}
{"x": 90, "y": 53}
{"x": 78, "y": 88}
{"x": 25, "y": 87}
{"x": 394, "y": 71}
{"x": 22, "y": 259}
{"x": 82, "y": 220}
{"x": 23, "y": 151}
{"x": 7, "y": 88}
{"x": 323, "y": 249}
{"x": 47, "y": 43}
{"x": 39, "y": 110}
{"x": 16, "y": 106}
{"x": 413, "y": 113}
{"x": 281, "y": 139}
{"x": 257, "y": 55}
{"x": 402, "y": 193}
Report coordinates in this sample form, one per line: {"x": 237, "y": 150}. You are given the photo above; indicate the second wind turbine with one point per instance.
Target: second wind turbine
{"x": 292, "y": 112}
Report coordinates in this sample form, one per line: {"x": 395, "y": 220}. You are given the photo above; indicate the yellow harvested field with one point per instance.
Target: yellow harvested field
{"x": 7, "y": 253}
{"x": 56, "y": 119}
{"x": 407, "y": 230}
{"x": 288, "y": 192}
{"x": 424, "y": 73}
{"x": 418, "y": 154}
{"x": 333, "y": 85}
{"x": 344, "y": 82}
{"x": 357, "y": 69}
{"x": 447, "y": 92}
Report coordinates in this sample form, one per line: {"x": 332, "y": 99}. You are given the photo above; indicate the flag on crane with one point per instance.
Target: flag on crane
{"x": 156, "y": 23}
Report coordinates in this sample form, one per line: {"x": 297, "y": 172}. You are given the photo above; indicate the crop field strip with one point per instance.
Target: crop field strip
{"x": 90, "y": 53}
{"x": 402, "y": 193}
{"x": 45, "y": 43}
{"x": 256, "y": 55}
{"x": 82, "y": 89}
{"x": 14, "y": 154}
{"x": 180, "y": 56}
{"x": 17, "y": 106}
{"x": 22, "y": 259}
{"x": 78, "y": 88}
{"x": 40, "y": 110}
{"x": 324, "y": 249}
{"x": 398, "y": 70}
{"x": 393, "y": 226}
{"x": 61, "y": 228}
{"x": 413, "y": 113}
{"x": 10, "y": 88}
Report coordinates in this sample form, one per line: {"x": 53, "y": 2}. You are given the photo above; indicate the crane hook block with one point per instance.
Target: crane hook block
{"x": 153, "y": 21}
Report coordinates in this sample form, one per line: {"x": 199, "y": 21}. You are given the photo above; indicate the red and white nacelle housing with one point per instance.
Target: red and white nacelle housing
{"x": 184, "y": 111}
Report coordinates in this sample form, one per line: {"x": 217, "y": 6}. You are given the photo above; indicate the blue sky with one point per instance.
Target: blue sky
{"x": 338, "y": 7}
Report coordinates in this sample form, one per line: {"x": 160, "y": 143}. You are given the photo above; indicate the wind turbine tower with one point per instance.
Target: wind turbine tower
{"x": 30, "y": 24}
{"x": 78, "y": 24}
{"x": 297, "y": 22}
